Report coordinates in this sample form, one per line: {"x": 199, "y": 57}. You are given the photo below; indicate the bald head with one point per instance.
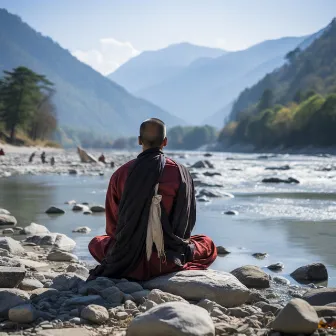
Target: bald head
{"x": 153, "y": 133}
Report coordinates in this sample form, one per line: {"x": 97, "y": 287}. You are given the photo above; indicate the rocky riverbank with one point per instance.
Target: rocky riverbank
{"x": 43, "y": 289}
{"x": 16, "y": 162}
{"x": 43, "y": 292}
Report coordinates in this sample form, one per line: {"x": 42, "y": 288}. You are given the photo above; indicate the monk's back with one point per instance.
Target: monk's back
{"x": 168, "y": 183}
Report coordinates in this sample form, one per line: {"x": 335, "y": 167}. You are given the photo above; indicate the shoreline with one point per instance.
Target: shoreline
{"x": 52, "y": 294}
{"x": 52, "y": 297}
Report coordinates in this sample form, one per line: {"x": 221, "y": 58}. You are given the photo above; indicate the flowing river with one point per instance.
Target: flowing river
{"x": 294, "y": 223}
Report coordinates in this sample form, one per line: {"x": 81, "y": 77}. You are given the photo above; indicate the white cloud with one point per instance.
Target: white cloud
{"x": 109, "y": 56}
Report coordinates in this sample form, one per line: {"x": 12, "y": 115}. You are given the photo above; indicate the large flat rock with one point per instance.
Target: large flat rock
{"x": 11, "y": 245}
{"x": 220, "y": 287}
{"x": 321, "y": 296}
{"x": 11, "y": 277}
{"x": 66, "y": 332}
{"x": 174, "y": 319}
{"x": 57, "y": 240}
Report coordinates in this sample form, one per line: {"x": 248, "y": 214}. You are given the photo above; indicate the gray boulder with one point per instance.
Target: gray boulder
{"x": 7, "y": 231}
{"x": 276, "y": 267}
{"x": 67, "y": 281}
{"x": 312, "y": 272}
{"x": 4, "y": 212}
{"x": 33, "y": 229}
{"x": 221, "y": 250}
{"x": 78, "y": 269}
{"x": 84, "y": 300}
{"x": 57, "y": 240}
{"x": 97, "y": 208}
{"x": 157, "y": 296}
{"x": 174, "y": 319}
{"x": 80, "y": 207}
{"x": 140, "y": 296}
{"x": 62, "y": 256}
{"x": 11, "y": 245}
{"x": 320, "y": 296}
{"x": 25, "y": 313}
{"x": 94, "y": 313}
{"x": 96, "y": 286}
{"x": 297, "y": 317}
{"x": 231, "y": 212}
{"x": 10, "y": 298}
{"x": 129, "y": 287}
{"x": 221, "y": 287}
{"x": 325, "y": 311}
{"x": 252, "y": 276}
{"x": 30, "y": 284}
{"x": 203, "y": 164}
{"x": 112, "y": 295}
{"x": 10, "y": 277}
{"x": 7, "y": 220}
{"x": 82, "y": 229}
{"x": 55, "y": 211}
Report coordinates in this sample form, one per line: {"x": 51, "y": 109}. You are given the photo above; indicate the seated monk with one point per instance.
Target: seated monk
{"x": 150, "y": 214}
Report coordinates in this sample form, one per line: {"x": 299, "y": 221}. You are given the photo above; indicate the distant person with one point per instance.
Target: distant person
{"x": 102, "y": 158}
{"x": 43, "y": 157}
{"x": 31, "y": 157}
{"x": 152, "y": 192}
{"x": 2, "y": 152}
{"x": 112, "y": 165}
{"x": 52, "y": 161}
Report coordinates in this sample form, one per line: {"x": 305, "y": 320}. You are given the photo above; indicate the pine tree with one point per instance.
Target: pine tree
{"x": 21, "y": 93}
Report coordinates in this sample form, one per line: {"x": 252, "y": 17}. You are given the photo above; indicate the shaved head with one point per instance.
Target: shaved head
{"x": 152, "y": 133}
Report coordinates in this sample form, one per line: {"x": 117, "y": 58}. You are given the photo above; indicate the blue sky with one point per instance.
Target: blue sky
{"x": 125, "y": 27}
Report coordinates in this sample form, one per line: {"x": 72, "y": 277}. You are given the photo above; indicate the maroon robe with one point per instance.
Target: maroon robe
{"x": 205, "y": 251}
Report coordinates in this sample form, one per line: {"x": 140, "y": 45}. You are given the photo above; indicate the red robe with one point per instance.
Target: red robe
{"x": 205, "y": 251}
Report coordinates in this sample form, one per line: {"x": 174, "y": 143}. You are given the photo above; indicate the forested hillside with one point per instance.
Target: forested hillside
{"x": 293, "y": 106}
{"x": 84, "y": 99}
{"x": 311, "y": 69}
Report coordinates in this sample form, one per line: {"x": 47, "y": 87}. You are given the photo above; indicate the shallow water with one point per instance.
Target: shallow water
{"x": 294, "y": 224}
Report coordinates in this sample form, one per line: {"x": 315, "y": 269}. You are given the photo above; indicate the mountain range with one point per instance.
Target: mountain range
{"x": 201, "y": 91}
{"x": 85, "y": 99}
{"x": 152, "y": 67}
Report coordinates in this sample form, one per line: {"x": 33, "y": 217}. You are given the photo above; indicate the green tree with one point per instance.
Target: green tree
{"x": 266, "y": 100}
{"x": 21, "y": 93}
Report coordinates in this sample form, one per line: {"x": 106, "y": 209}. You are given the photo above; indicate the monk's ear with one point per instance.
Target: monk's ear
{"x": 139, "y": 141}
{"x": 165, "y": 142}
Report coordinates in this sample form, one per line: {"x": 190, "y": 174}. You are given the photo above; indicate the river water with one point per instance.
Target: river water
{"x": 294, "y": 224}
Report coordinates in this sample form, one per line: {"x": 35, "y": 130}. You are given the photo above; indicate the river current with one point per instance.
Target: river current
{"x": 294, "y": 223}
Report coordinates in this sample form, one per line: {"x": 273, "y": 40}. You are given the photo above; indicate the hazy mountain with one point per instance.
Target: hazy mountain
{"x": 311, "y": 67}
{"x": 207, "y": 85}
{"x": 152, "y": 67}
{"x": 85, "y": 99}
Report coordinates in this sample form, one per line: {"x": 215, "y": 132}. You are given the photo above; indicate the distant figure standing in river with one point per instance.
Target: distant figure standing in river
{"x": 52, "y": 161}
{"x": 43, "y": 157}
{"x": 31, "y": 157}
{"x": 2, "y": 152}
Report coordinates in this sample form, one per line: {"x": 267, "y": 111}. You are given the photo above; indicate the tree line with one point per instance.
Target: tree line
{"x": 26, "y": 105}
{"x": 310, "y": 119}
